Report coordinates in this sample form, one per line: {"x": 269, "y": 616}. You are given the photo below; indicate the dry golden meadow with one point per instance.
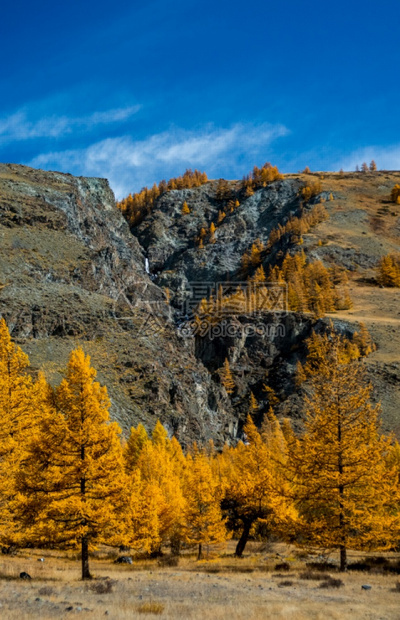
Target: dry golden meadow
{"x": 216, "y": 588}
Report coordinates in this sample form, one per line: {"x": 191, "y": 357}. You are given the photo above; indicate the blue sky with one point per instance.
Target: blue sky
{"x": 139, "y": 91}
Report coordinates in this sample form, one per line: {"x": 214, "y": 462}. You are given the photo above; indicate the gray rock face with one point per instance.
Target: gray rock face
{"x": 169, "y": 239}
{"x": 73, "y": 275}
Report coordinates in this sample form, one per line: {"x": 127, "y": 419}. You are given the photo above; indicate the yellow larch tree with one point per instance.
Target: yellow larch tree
{"x": 155, "y": 515}
{"x": 253, "y": 404}
{"x": 137, "y": 439}
{"x": 212, "y": 233}
{"x": 227, "y": 377}
{"x": 203, "y": 523}
{"x": 345, "y": 490}
{"x": 185, "y": 208}
{"x": 395, "y": 193}
{"x": 389, "y": 270}
{"x": 255, "y": 488}
{"x": 19, "y": 412}
{"x": 72, "y": 481}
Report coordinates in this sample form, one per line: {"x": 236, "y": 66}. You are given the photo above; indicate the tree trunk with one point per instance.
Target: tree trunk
{"x": 343, "y": 558}
{"x": 243, "y": 538}
{"x": 200, "y": 553}
{"x": 85, "y": 558}
{"x": 175, "y": 546}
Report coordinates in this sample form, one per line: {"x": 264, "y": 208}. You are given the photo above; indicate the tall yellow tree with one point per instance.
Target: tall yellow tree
{"x": 346, "y": 491}
{"x": 227, "y": 377}
{"x": 254, "y": 486}
{"x": 72, "y": 479}
{"x": 18, "y": 415}
{"x": 203, "y": 518}
{"x": 155, "y": 516}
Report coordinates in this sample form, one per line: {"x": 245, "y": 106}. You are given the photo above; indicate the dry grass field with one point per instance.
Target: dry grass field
{"x": 217, "y": 588}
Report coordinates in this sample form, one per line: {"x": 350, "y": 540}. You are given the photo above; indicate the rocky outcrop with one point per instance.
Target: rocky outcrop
{"x": 74, "y": 275}
{"x": 169, "y": 238}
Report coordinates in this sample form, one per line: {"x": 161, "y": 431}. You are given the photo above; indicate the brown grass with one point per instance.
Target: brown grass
{"x": 214, "y": 589}
{"x": 151, "y": 608}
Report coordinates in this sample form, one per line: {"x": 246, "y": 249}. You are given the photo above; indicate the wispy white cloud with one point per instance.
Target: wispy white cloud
{"x": 130, "y": 164}
{"x": 19, "y": 126}
{"x": 386, "y": 157}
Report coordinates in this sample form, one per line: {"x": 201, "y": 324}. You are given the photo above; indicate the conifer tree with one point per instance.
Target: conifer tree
{"x": 255, "y": 488}
{"x": 203, "y": 518}
{"x": 389, "y": 270}
{"x": 185, "y": 208}
{"x": 253, "y": 403}
{"x": 346, "y": 493}
{"x": 155, "y": 516}
{"x": 364, "y": 341}
{"x": 20, "y": 408}
{"x": 373, "y": 167}
{"x": 137, "y": 439}
{"x": 212, "y": 232}
{"x": 395, "y": 193}
{"x": 72, "y": 480}
{"x": 227, "y": 378}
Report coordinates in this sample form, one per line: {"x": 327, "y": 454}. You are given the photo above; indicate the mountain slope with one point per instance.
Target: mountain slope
{"x": 71, "y": 273}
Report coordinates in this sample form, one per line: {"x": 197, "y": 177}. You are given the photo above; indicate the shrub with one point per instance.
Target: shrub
{"x": 169, "y": 560}
{"x": 285, "y": 584}
{"x": 331, "y": 582}
{"x": 105, "y": 586}
{"x": 313, "y": 576}
{"x": 151, "y": 608}
{"x": 282, "y": 566}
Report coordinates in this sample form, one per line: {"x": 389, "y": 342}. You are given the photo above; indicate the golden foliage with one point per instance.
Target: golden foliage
{"x": 311, "y": 190}
{"x": 346, "y": 493}
{"x": 395, "y": 193}
{"x": 20, "y": 409}
{"x": 260, "y": 177}
{"x": 66, "y": 480}
{"x": 254, "y": 484}
{"x": 311, "y": 286}
{"x": 135, "y": 207}
{"x": 72, "y": 480}
{"x": 389, "y": 270}
{"x": 203, "y": 522}
{"x": 185, "y": 209}
{"x": 227, "y": 381}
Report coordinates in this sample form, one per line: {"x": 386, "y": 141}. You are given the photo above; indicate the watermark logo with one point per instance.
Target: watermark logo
{"x": 204, "y": 309}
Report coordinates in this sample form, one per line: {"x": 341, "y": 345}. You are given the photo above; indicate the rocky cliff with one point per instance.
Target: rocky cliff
{"x": 72, "y": 273}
